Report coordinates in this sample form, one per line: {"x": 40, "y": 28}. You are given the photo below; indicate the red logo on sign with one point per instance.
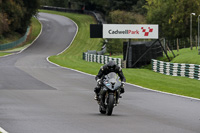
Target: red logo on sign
{"x": 146, "y": 33}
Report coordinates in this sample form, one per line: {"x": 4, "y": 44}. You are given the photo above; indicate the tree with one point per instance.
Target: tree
{"x": 121, "y": 17}
{"x": 16, "y": 14}
{"x": 181, "y": 17}
{"x": 12, "y": 12}
{"x": 125, "y": 17}
{"x": 122, "y": 4}
{"x": 173, "y": 16}
{"x": 58, "y": 3}
{"x": 138, "y": 8}
{"x": 4, "y": 23}
{"x": 30, "y": 8}
{"x": 114, "y": 46}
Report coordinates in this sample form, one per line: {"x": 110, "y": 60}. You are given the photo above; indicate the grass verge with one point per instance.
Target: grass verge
{"x": 72, "y": 58}
{"x": 34, "y": 32}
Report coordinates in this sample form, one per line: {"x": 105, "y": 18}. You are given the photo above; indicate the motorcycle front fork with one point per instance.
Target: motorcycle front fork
{"x": 116, "y": 97}
{"x": 104, "y": 96}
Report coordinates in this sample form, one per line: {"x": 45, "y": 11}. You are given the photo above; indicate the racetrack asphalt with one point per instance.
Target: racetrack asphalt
{"x": 39, "y": 97}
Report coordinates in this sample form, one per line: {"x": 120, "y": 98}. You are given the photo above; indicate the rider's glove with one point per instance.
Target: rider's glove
{"x": 122, "y": 83}
{"x": 99, "y": 81}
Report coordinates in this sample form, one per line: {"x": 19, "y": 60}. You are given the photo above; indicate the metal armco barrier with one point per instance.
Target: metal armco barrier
{"x": 15, "y": 43}
{"x": 176, "y": 69}
{"x": 100, "y": 59}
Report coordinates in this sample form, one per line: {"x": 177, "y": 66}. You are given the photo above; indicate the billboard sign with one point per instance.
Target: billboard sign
{"x": 129, "y": 31}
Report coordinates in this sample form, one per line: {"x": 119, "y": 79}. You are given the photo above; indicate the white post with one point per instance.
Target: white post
{"x": 198, "y": 36}
{"x": 191, "y": 30}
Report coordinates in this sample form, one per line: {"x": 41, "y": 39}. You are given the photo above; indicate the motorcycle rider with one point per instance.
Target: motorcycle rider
{"x": 111, "y": 66}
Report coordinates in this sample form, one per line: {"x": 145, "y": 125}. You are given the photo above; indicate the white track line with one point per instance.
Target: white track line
{"x": 2, "y": 130}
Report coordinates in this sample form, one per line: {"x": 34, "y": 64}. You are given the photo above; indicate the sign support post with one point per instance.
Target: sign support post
{"x": 127, "y": 49}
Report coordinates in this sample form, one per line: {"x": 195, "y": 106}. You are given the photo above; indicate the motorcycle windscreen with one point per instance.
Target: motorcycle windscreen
{"x": 112, "y": 75}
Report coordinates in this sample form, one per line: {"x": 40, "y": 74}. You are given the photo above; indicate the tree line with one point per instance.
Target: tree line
{"x": 172, "y": 16}
{"x": 132, "y": 9}
{"x": 15, "y": 15}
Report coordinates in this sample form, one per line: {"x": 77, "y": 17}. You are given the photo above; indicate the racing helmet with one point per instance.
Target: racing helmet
{"x": 111, "y": 65}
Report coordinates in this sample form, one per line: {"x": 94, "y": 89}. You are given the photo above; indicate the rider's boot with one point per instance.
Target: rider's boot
{"x": 96, "y": 90}
{"x": 96, "y": 97}
{"x": 121, "y": 92}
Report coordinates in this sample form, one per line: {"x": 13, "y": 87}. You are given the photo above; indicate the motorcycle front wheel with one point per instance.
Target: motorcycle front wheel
{"x": 110, "y": 104}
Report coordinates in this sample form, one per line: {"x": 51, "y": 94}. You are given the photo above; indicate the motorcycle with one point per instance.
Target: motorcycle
{"x": 109, "y": 94}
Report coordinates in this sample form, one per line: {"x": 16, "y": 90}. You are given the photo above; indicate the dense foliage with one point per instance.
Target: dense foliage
{"x": 104, "y": 6}
{"x": 16, "y": 15}
{"x": 173, "y": 16}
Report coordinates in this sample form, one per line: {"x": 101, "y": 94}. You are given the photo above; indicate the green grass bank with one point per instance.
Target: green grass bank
{"x": 34, "y": 32}
{"x": 72, "y": 58}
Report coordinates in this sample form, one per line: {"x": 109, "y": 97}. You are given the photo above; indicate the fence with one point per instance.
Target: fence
{"x": 100, "y": 58}
{"x": 176, "y": 69}
{"x": 15, "y": 43}
{"x": 178, "y": 43}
